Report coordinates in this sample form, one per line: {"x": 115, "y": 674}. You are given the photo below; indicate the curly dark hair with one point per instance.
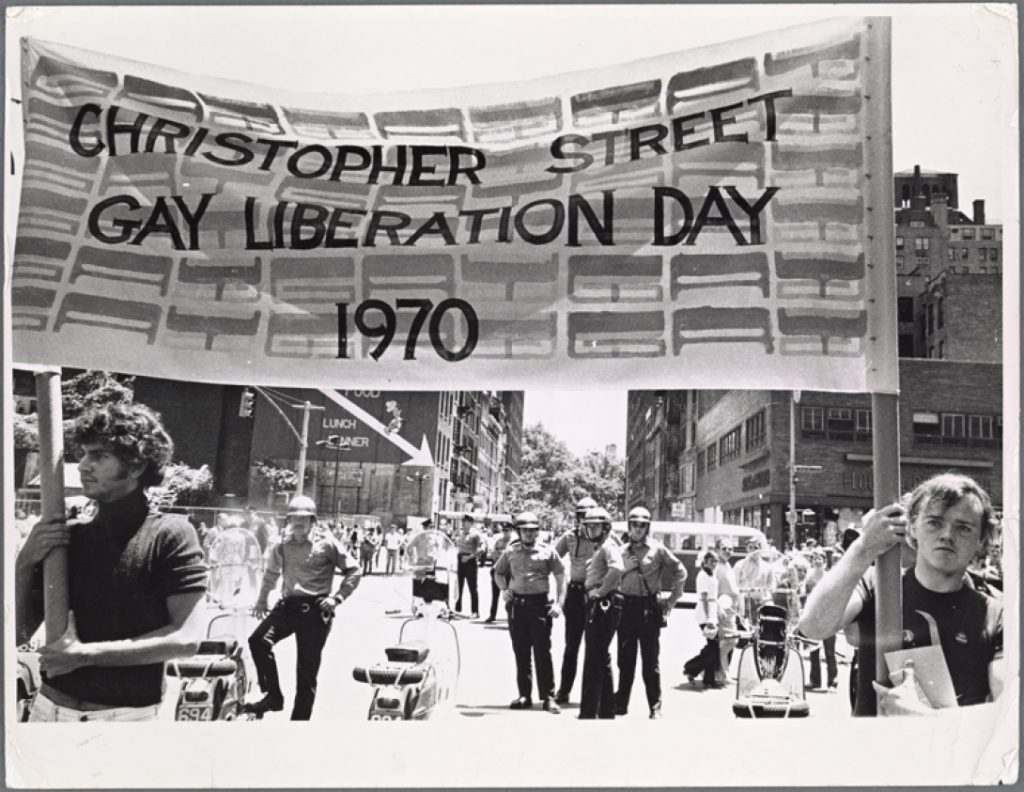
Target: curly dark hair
{"x": 950, "y": 488}
{"x": 132, "y": 432}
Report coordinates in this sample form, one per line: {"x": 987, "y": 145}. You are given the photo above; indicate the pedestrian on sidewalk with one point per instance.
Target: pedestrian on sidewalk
{"x": 708, "y": 663}
{"x": 392, "y": 544}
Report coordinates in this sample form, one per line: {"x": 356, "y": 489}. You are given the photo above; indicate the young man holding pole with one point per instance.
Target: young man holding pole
{"x": 136, "y": 578}
{"x": 949, "y": 521}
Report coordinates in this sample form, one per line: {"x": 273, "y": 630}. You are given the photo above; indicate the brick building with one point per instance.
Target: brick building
{"x": 723, "y": 456}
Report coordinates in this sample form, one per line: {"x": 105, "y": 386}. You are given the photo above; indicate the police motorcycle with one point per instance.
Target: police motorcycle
{"x": 214, "y": 682}
{"x": 770, "y": 679}
{"x": 420, "y": 673}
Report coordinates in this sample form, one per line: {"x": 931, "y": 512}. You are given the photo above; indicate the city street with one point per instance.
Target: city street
{"x": 370, "y": 621}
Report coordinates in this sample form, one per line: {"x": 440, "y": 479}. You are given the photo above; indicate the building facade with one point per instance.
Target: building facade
{"x": 948, "y": 268}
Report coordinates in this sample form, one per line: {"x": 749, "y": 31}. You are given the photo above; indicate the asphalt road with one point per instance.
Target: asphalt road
{"x": 371, "y": 619}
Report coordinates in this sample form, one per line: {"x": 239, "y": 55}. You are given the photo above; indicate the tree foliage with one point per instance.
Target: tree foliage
{"x": 183, "y": 485}
{"x": 279, "y": 479}
{"x": 552, "y": 479}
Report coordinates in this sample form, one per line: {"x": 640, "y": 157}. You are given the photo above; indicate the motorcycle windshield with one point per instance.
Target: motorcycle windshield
{"x": 431, "y": 551}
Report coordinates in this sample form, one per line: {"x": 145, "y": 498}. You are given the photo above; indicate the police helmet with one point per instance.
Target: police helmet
{"x": 583, "y": 505}
{"x": 301, "y": 506}
{"x": 527, "y": 519}
{"x": 639, "y": 514}
{"x": 597, "y": 516}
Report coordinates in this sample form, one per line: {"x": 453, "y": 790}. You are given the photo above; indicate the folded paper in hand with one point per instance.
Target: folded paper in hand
{"x": 930, "y": 670}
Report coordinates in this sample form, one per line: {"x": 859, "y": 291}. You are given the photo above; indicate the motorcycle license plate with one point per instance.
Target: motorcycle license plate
{"x": 194, "y": 714}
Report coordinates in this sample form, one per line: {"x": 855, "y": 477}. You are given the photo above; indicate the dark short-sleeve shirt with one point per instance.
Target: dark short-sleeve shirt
{"x": 970, "y": 626}
{"x": 122, "y": 567}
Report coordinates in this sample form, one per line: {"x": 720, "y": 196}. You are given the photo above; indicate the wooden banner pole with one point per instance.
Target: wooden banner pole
{"x": 51, "y": 487}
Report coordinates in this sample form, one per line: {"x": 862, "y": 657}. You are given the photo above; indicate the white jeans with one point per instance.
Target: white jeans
{"x": 45, "y": 711}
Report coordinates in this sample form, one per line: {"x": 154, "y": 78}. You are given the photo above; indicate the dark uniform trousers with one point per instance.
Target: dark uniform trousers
{"x": 467, "y": 574}
{"x": 829, "y": 647}
{"x": 303, "y": 617}
{"x": 530, "y": 629}
{"x": 575, "y": 613}
{"x": 640, "y": 624}
{"x": 597, "y": 699}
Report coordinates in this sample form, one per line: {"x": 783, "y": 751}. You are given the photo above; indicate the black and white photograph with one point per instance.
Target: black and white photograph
{"x": 497, "y": 368}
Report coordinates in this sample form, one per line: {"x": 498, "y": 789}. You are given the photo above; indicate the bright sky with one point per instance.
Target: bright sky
{"x": 953, "y": 80}
{"x": 584, "y": 420}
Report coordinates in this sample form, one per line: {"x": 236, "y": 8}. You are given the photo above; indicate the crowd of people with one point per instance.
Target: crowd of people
{"x": 137, "y": 580}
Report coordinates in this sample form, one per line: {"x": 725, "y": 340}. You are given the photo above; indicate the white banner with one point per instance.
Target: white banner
{"x": 720, "y": 217}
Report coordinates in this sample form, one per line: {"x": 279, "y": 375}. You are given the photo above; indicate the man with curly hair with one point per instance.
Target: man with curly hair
{"x": 136, "y": 578}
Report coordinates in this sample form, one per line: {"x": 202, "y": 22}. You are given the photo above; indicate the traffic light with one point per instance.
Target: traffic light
{"x": 245, "y": 406}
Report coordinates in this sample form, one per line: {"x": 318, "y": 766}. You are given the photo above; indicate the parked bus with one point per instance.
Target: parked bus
{"x": 689, "y": 539}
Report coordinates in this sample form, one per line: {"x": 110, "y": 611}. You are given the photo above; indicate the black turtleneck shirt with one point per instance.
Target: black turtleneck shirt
{"x": 122, "y": 566}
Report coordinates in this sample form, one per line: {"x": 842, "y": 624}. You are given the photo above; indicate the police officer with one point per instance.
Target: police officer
{"x": 604, "y": 608}
{"x": 648, "y": 568}
{"x": 579, "y": 549}
{"x": 523, "y": 572}
{"x": 500, "y": 544}
{"x": 306, "y": 561}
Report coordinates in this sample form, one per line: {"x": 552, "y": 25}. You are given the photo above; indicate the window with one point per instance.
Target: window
{"x": 967, "y": 233}
{"x": 953, "y": 426}
{"x": 931, "y": 351}
{"x": 963, "y": 255}
{"x": 899, "y": 243}
{"x": 983, "y": 254}
{"x": 812, "y": 421}
{"x": 980, "y": 429}
{"x": 917, "y": 223}
{"x": 899, "y": 262}
{"x": 931, "y": 317}
{"x": 987, "y": 233}
{"x": 840, "y": 423}
{"x": 862, "y": 424}
{"x": 905, "y": 309}
{"x": 951, "y": 253}
{"x": 983, "y": 270}
{"x": 906, "y": 345}
{"x": 939, "y": 313}
{"x": 993, "y": 254}
{"x": 926, "y": 426}
{"x": 942, "y": 346}
{"x": 921, "y": 244}
{"x": 755, "y": 431}
{"x": 712, "y": 457}
{"x": 700, "y": 463}
{"x": 729, "y": 446}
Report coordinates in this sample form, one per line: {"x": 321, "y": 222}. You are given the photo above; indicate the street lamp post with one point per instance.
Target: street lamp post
{"x": 418, "y": 478}
{"x": 333, "y": 442}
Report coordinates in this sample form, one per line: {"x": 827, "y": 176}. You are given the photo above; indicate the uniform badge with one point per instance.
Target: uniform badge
{"x": 908, "y": 637}
{"x": 961, "y": 637}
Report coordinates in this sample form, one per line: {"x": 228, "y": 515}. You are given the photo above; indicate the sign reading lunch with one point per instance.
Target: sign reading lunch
{"x": 711, "y": 209}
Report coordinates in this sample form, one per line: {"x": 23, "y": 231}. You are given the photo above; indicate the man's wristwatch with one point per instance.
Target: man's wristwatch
{"x": 338, "y": 599}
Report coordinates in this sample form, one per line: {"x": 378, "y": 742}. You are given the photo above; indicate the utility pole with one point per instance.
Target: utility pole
{"x": 306, "y": 408}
